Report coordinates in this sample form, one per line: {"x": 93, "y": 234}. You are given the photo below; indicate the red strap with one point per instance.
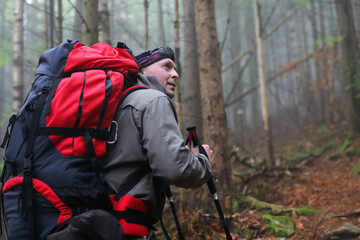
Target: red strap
{"x": 130, "y": 88}
{"x": 127, "y": 201}
{"x": 47, "y": 193}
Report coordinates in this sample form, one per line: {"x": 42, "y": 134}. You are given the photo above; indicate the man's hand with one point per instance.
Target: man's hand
{"x": 209, "y": 152}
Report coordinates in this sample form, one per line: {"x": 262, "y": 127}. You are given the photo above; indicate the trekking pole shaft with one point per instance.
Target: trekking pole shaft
{"x": 172, "y": 206}
{"x": 210, "y": 183}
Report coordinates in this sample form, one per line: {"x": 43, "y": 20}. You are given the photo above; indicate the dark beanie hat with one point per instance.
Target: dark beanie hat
{"x": 152, "y": 56}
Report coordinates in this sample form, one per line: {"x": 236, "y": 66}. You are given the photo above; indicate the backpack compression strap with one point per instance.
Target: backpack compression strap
{"x": 27, "y": 183}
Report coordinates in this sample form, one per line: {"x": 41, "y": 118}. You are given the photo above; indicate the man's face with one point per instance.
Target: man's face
{"x": 165, "y": 71}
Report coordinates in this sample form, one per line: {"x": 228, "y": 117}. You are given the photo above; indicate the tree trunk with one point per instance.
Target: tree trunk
{"x": 60, "y": 21}
{"x": 191, "y": 99}
{"x": 356, "y": 14}
{"x": 319, "y": 110}
{"x": 264, "y": 94}
{"x": 47, "y": 24}
{"x": 146, "y": 7}
{"x": 2, "y": 71}
{"x": 90, "y": 25}
{"x": 308, "y": 97}
{"x": 77, "y": 34}
{"x": 324, "y": 66}
{"x": 161, "y": 24}
{"x": 212, "y": 100}
{"x": 104, "y": 22}
{"x": 350, "y": 55}
{"x": 295, "y": 48}
{"x": 18, "y": 55}
{"x": 234, "y": 48}
{"x": 52, "y": 24}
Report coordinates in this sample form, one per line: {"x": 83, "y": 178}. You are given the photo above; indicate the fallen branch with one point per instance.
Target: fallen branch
{"x": 351, "y": 214}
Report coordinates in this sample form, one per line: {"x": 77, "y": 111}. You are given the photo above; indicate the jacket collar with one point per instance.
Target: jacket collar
{"x": 151, "y": 82}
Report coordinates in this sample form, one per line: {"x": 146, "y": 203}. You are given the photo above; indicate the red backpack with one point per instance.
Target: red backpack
{"x": 53, "y": 169}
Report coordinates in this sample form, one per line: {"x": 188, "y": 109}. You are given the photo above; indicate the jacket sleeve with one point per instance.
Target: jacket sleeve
{"x": 169, "y": 158}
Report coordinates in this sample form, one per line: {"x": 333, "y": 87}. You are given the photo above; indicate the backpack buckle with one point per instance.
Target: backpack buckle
{"x": 31, "y": 106}
{"x": 45, "y": 89}
{"x": 27, "y": 165}
{"x": 113, "y": 136}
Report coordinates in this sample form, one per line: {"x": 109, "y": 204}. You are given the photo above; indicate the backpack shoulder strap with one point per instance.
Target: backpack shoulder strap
{"x": 27, "y": 186}
{"x": 130, "y": 90}
{"x": 133, "y": 181}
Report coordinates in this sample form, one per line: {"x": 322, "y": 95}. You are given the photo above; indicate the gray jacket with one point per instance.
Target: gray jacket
{"x": 148, "y": 130}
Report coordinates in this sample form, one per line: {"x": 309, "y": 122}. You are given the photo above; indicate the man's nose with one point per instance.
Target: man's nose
{"x": 175, "y": 74}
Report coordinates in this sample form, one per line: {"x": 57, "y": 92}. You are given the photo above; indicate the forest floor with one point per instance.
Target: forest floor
{"x": 317, "y": 176}
{"x": 323, "y": 184}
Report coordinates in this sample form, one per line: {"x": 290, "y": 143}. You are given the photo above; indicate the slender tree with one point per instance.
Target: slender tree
{"x": 234, "y": 48}
{"x": 161, "y": 23}
{"x": 178, "y": 66}
{"x": 2, "y": 68}
{"x": 315, "y": 35}
{"x": 18, "y": 55}
{"x": 191, "y": 85}
{"x": 52, "y": 23}
{"x": 350, "y": 56}
{"x": 77, "y": 34}
{"x": 295, "y": 36}
{"x": 46, "y": 24}
{"x": 212, "y": 100}
{"x": 104, "y": 22}
{"x": 90, "y": 25}
{"x": 146, "y": 7}
{"x": 60, "y": 22}
{"x": 190, "y": 76}
{"x": 264, "y": 94}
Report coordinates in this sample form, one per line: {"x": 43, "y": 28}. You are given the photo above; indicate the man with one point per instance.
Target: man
{"x": 150, "y": 145}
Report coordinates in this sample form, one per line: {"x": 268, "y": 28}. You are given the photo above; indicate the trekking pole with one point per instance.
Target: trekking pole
{"x": 172, "y": 206}
{"x": 193, "y": 138}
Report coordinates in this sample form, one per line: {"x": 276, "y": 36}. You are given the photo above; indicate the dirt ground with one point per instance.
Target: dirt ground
{"x": 322, "y": 183}
{"x": 326, "y": 185}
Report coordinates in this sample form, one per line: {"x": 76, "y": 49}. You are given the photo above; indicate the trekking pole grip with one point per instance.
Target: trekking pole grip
{"x": 194, "y": 140}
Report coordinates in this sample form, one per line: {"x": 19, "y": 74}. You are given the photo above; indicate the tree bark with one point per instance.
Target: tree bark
{"x": 60, "y": 21}
{"x": 234, "y": 48}
{"x": 18, "y": 55}
{"x": 91, "y": 19}
{"x": 314, "y": 23}
{"x": 308, "y": 97}
{"x": 77, "y": 33}
{"x": 212, "y": 100}
{"x": 52, "y": 23}
{"x": 146, "y": 7}
{"x": 350, "y": 55}
{"x": 264, "y": 94}
{"x": 191, "y": 98}
{"x": 295, "y": 35}
{"x": 161, "y": 35}
{"x": 190, "y": 77}
{"x": 47, "y": 24}
{"x": 178, "y": 66}
{"x": 104, "y": 22}
{"x": 2, "y": 71}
